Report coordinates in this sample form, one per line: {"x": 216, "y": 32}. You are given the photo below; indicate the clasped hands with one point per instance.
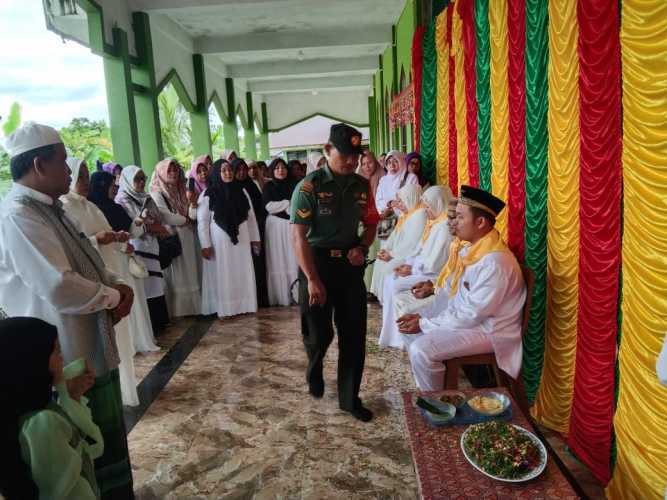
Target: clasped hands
{"x": 403, "y": 270}
{"x": 409, "y": 323}
{"x": 384, "y": 256}
{"x": 107, "y": 237}
{"x": 124, "y": 305}
{"x": 423, "y": 289}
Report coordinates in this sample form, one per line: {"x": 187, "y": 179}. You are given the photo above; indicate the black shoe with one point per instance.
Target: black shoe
{"x": 361, "y": 413}
{"x": 316, "y": 389}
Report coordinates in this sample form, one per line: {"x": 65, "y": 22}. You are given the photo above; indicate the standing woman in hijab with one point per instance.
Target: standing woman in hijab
{"x": 256, "y": 173}
{"x": 111, "y": 246}
{"x": 182, "y": 277}
{"x": 48, "y": 445}
{"x": 145, "y": 214}
{"x": 240, "y": 169}
{"x": 101, "y": 193}
{"x": 296, "y": 170}
{"x": 370, "y": 169}
{"x": 404, "y": 239}
{"x": 281, "y": 264}
{"x": 229, "y": 236}
{"x": 113, "y": 168}
{"x": 397, "y": 176}
{"x": 414, "y": 163}
{"x": 229, "y": 155}
{"x": 199, "y": 171}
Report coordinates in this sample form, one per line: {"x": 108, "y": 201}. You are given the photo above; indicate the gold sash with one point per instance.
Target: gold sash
{"x": 429, "y": 225}
{"x": 406, "y": 216}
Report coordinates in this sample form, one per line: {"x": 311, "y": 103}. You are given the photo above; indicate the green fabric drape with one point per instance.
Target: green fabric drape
{"x": 537, "y": 53}
{"x": 483, "y": 88}
{"x": 429, "y": 89}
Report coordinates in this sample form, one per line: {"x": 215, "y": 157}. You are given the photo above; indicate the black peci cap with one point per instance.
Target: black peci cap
{"x": 481, "y": 199}
{"x": 345, "y": 139}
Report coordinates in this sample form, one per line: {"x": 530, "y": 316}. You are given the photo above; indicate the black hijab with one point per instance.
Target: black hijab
{"x": 278, "y": 189}
{"x": 253, "y": 191}
{"x": 227, "y": 201}
{"x": 25, "y": 386}
{"x": 98, "y": 193}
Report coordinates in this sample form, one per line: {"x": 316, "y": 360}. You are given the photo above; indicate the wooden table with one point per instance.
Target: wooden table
{"x": 444, "y": 473}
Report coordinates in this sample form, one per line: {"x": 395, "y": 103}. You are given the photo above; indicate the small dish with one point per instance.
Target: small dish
{"x": 437, "y": 411}
{"x": 455, "y": 398}
{"x": 489, "y": 403}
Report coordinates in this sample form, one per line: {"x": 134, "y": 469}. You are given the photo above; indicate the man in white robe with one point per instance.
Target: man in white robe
{"x": 479, "y": 309}
{"x": 49, "y": 270}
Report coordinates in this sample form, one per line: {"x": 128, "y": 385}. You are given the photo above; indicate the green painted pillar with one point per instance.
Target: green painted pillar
{"x": 250, "y": 152}
{"x": 229, "y": 130}
{"x": 372, "y": 124}
{"x": 200, "y": 131}
{"x": 120, "y": 99}
{"x": 264, "y": 150}
{"x": 145, "y": 96}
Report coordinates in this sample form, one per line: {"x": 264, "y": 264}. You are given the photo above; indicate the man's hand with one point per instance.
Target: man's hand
{"x": 404, "y": 270}
{"x": 158, "y": 230}
{"x": 105, "y": 237}
{"x": 317, "y": 294}
{"x": 78, "y": 386}
{"x": 356, "y": 256}
{"x": 207, "y": 253}
{"x": 129, "y": 249}
{"x": 409, "y": 323}
{"x": 125, "y": 305}
{"x": 423, "y": 289}
{"x": 122, "y": 236}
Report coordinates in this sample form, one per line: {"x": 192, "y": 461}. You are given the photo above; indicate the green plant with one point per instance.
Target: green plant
{"x": 88, "y": 140}
{"x": 175, "y": 126}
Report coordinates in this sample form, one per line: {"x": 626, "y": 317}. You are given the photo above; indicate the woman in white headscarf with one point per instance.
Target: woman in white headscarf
{"x": 397, "y": 176}
{"x": 315, "y": 161}
{"x": 425, "y": 263}
{"x": 146, "y": 229}
{"x": 114, "y": 250}
{"x": 405, "y": 237}
{"x": 229, "y": 155}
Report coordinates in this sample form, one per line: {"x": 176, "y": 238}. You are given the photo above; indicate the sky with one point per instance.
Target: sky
{"x": 53, "y": 80}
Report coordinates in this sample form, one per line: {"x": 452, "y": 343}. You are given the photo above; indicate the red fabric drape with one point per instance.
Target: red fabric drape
{"x": 516, "y": 196}
{"x": 600, "y": 185}
{"x": 417, "y": 63}
{"x": 467, "y": 13}
{"x": 453, "y": 173}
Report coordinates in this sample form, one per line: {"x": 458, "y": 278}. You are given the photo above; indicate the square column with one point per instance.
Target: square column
{"x": 229, "y": 129}
{"x": 264, "y": 151}
{"x": 200, "y": 127}
{"x": 250, "y": 152}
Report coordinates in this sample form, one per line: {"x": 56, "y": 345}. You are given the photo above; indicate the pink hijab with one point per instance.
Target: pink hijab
{"x": 175, "y": 193}
{"x": 199, "y": 186}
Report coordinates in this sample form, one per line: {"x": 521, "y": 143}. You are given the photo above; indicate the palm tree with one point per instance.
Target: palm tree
{"x": 175, "y": 126}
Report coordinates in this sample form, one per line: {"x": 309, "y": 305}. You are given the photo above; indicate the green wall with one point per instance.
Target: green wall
{"x": 405, "y": 29}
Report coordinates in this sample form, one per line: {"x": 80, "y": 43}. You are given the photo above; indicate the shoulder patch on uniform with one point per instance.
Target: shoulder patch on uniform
{"x": 307, "y": 187}
{"x": 303, "y": 213}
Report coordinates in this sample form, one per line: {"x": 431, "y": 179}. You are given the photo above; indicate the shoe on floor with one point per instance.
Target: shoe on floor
{"x": 316, "y": 389}
{"x": 362, "y": 413}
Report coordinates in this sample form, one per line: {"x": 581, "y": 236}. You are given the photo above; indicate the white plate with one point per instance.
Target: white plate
{"x": 531, "y": 475}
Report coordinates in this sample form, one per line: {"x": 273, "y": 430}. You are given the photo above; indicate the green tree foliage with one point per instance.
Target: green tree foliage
{"x": 11, "y": 123}
{"x": 89, "y": 140}
{"x": 175, "y": 126}
{"x": 13, "y": 120}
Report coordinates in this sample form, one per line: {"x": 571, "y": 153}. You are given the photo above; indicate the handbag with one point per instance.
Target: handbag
{"x": 137, "y": 268}
{"x": 387, "y": 225}
{"x": 170, "y": 248}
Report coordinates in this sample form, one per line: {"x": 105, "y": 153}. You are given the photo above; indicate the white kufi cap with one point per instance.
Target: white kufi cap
{"x": 31, "y": 136}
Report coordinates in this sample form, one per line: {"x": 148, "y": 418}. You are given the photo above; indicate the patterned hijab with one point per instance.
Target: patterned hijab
{"x": 174, "y": 193}
{"x": 192, "y": 174}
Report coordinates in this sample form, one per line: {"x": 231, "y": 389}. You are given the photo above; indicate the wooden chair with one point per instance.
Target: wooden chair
{"x": 516, "y": 387}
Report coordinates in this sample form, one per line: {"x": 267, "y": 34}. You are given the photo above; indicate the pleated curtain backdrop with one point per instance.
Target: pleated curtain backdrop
{"x": 529, "y": 99}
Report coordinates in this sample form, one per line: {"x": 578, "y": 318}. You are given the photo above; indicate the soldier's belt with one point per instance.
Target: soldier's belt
{"x": 334, "y": 253}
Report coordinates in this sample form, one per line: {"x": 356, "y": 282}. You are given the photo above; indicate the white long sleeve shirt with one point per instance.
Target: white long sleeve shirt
{"x": 36, "y": 280}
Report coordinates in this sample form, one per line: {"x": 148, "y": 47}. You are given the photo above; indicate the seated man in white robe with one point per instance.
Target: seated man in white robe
{"x": 425, "y": 262}
{"x": 479, "y": 309}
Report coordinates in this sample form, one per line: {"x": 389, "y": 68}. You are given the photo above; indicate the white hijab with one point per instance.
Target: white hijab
{"x": 405, "y": 239}
{"x": 227, "y": 153}
{"x": 433, "y": 253}
{"x": 437, "y": 198}
{"x": 314, "y": 158}
{"x": 390, "y": 183}
{"x": 74, "y": 165}
{"x": 410, "y": 195}
{"x": 126, "y": 188}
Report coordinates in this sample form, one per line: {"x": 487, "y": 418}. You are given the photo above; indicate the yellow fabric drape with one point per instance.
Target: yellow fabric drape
{"x": 499, "y": 106}
{"x": 554, "y": 399}
{"x": 429, "y": 225}
{"x": 454, "y": 249}
{"x": 460, "y": 100}
{"x": 640, "y": 421}
{"x": 442, "y": 103}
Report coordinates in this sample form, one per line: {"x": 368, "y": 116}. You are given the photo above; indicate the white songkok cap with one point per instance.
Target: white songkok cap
{"x": 31, "y": 136}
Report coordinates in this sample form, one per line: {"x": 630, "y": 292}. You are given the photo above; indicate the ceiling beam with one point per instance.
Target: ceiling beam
{"x": 309, "y": 84}
{"x": 255, "y": 42}
{"x": 160, "y": 5}
{"x": 277, "y": 69}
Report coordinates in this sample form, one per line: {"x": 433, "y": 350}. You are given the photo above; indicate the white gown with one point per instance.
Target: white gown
{"x": 91, "y": 221}
{"x": 182, "y": 277}
{"x": 228, "y": 286}
{"x": 483, "y": 316}
{"x": 282, "y": 268}
{"x": 401, "y": 243}
{"x": 427, "y": 262}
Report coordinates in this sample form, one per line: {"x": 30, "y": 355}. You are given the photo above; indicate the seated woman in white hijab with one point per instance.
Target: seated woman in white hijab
{"x": 424, "y": 263}
{"x": 102, "y": 191}
{"x": 229, "y": 234}
{"x": 146, "y": 216}
{"x": 182, "y": 277}
{"x": 281, "y": 265}
{"x": 397, "y": 176}
{"x": 111, "y": 245}
{"x": 403, "y": 240}
{"x": 315, "y": 161}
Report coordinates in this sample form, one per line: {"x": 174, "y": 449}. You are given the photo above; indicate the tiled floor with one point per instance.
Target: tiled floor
{"x": 235, "y": 420}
